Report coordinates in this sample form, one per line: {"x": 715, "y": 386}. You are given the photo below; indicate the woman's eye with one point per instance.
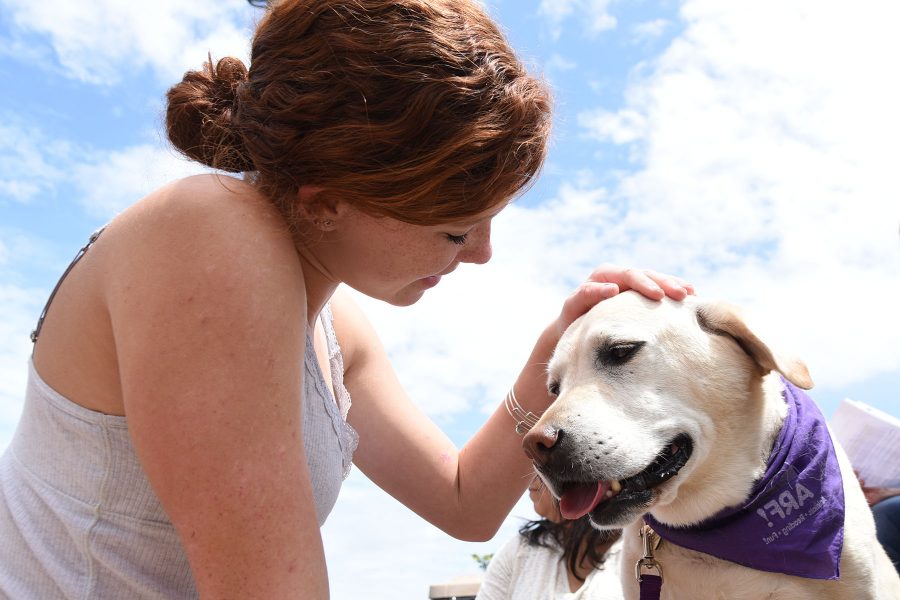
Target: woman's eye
{"x": 459, "y": 240}
{"x": 618, "y": 354}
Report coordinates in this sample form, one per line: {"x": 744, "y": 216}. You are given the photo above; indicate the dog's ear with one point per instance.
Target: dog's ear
{"x": 721, "y": 318}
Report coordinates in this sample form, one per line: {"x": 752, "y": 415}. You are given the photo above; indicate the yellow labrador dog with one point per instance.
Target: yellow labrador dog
{"x": 677, "y": 422}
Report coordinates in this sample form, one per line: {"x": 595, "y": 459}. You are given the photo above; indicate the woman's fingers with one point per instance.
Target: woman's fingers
{"x": 647, "y": 282}
{"x": 674, "y": 287}
{"x": 608, "y": 280}
{"x": 584, "y": 298}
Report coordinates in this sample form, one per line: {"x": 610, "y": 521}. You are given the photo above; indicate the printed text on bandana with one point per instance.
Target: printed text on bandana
{"x": 789, "y": 504}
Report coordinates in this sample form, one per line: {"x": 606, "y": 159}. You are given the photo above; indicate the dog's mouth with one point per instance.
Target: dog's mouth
{"x": 579, "y": 498}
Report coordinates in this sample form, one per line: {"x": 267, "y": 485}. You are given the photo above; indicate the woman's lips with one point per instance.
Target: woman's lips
{"x": 431, "y": 281}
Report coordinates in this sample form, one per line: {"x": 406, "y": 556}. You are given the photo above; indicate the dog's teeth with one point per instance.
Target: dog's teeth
{"x": 608, "y": 494}
{"x": 615, "y": 486}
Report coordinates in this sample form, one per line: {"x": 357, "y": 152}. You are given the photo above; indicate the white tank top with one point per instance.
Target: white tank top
{"x": 78, "y": 518}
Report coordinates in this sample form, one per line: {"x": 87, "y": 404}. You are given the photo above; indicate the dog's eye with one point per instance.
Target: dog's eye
{"x": 619, "y": 353}
{"x": 553, "y": 388}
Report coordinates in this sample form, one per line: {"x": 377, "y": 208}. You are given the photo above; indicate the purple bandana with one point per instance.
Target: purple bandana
{"x": 793, "y": 521}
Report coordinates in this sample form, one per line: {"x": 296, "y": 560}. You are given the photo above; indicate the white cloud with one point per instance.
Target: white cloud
{"x": 650, "y": 29}
{"x": 110, "y": 182}
{"x": 20, "y": 309}
{"x": 621, "y": 127}
{"x": 767, "y": 172}
{"x": 593, "y": 15}
{"x": 556, "y": 10}
{"x": 98, "y": 42}
{"x": 24, "y": 259}
{"x": 379, "y": 550}
{"x": 34, "y": 165}
{"x": 20, "y": 251}
{"x": 27, "y": 160}
{"x": 559, "y": 62}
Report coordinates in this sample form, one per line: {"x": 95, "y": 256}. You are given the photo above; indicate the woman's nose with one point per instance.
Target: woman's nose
{"x": 478, "y": 247}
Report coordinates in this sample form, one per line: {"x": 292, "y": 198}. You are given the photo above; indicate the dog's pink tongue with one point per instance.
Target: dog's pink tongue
{"x": 580, "y": 500}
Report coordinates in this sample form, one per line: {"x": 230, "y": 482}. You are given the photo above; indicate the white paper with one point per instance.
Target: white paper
{"x": 871, "y": 438}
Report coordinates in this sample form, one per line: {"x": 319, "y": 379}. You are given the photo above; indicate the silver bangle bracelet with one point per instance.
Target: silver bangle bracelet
{"x": 524, "y": 419}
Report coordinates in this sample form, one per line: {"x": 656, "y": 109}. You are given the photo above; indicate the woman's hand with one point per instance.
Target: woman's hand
{"x": 608, "y": 280}
{"x": 874, "y": 495}
{"x": 603, "y": 283}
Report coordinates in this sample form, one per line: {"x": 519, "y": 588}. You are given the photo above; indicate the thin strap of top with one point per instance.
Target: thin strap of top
{"x": 40, "y": 323}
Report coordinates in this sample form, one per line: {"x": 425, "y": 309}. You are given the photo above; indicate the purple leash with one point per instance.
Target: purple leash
{"x": 650, "y": 585}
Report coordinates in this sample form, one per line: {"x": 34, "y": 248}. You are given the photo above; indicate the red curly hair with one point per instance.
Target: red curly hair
{"x": 413, "y": 109}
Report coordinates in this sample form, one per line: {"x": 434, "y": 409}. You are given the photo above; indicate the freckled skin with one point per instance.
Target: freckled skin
{"x": 390, "y": 260}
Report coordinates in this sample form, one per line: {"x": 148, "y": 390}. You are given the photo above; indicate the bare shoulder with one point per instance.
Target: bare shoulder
{"x": 204, "y": 257}
{"x": 217, "y": 224}
{"x": 221, "y": 208}
{"x": 200, "y": 278}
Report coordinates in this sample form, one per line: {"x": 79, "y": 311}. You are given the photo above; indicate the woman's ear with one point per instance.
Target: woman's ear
{"x": 317, "y": 207}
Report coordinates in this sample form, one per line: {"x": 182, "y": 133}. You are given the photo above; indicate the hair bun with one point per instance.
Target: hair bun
{"x": 227, "y": 75}
{"x": 201, "y": 116}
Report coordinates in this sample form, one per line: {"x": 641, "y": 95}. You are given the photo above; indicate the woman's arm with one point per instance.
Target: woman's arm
{"x": 209, "y": 333}
{"x": 469, "y": 492}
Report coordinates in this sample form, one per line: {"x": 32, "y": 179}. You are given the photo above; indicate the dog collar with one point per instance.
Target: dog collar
{"x": 793, "y": 521}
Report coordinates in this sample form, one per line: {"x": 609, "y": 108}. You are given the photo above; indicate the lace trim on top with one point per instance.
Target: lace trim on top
{"x": 350, "y": 438}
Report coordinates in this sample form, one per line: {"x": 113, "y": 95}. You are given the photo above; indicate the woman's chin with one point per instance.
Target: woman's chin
{"x": 405, "y": 297}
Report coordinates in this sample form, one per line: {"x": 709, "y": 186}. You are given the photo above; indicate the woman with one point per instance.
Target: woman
{"x": 187, "y": 421}
{"x": 555, "y": 559}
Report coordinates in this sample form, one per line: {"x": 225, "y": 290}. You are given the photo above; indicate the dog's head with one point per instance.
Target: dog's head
{"x": 660, "y": 407}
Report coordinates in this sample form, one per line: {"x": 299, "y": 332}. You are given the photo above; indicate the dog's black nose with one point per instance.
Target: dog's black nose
{"x": 539, "y": 442}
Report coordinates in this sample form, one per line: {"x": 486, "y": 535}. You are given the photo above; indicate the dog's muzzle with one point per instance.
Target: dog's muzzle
{"x": 573, "y": 476}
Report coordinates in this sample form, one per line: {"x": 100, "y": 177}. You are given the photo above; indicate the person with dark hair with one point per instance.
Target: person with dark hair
{"x": 187, "y": 421}
{"x": 555, "y": 559}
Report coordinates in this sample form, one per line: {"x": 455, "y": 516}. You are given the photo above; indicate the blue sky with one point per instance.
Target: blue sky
{"x": 750, "y": 148}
